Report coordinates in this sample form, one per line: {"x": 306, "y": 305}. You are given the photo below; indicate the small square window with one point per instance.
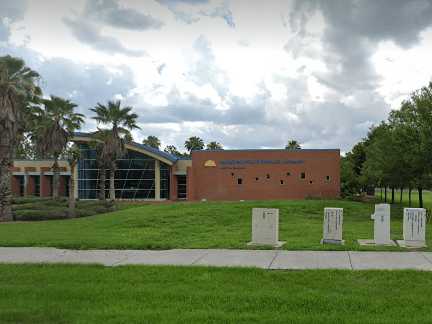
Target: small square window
{"x": 239, "y": 181}
{"x": 288, "y": 174}
{"x": 311, "y": 182}
{"x": 232, "y": 174}
{"x": 327, "y": 178}
{"x": 302, "y": 175}
{"x": 268, "y": 176}
{"x": 281, "y": 182}
{"x": 256, "y": 179}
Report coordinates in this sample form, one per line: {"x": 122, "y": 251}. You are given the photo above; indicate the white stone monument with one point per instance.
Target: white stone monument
{"x": 414, "y": 228}
{"x": 381, "y": 209}
{"x": 381, "y": 219}
{"x": 333, "y": 224}
{"x": 265, "y": 227}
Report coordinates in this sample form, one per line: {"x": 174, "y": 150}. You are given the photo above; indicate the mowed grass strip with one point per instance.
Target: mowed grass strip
{"x": 199, "y": 225}
{"x": 94, "y": 294}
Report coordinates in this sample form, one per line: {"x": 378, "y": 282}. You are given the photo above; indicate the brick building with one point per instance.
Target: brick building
{"x": 146, "y": 173}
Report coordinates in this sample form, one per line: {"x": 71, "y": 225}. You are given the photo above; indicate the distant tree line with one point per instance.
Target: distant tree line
{"x": 396, "y": 154}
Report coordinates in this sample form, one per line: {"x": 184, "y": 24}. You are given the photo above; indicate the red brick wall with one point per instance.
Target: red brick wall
{"x": 15, "y": 186}
{"x": 173, "y": 184}
{"x": 220, "y": 182}
{"x": 45, "y": 183}
{"x": 30, "y": 189}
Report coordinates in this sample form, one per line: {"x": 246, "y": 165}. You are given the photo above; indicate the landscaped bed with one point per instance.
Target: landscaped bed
{"x": 95, "y": 294}
{"x": 201, "y": 225}
{"x": 35, "y": 208}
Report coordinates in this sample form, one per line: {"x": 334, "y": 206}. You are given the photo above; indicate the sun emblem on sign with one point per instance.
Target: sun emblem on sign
{"x": 210, "y": 163}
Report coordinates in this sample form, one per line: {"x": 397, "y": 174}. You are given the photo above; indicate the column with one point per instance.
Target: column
{"x": 157, "y": 180}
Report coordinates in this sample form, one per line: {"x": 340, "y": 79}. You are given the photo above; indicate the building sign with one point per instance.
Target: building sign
{"x": 254, "y": 162}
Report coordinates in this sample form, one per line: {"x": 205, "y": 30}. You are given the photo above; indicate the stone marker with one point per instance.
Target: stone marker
{"x": 332, "y": 228}
{"x": 381, "y": 209}
{"x": 265, "y": 227}
{"x": 414, "y": 228}
{"x": 381, "y": 219}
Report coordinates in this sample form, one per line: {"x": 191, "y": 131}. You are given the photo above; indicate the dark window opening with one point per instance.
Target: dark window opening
{"x": 303, "y": 175}
{"x": 181, "y": 187}
{"x": 327, "y": 178}
{"x": 37, "y": 185}
{"x": 311, "y": 182}
{"x": 232, "y": 174}
{"x": 239, "y": 181}
{"x": 256, "y": 179}
{"x": 281, "y": 182}
{"x": 288, "y": 174}
{"x": 268, "y": 176}
{"x": 21, "y": 185}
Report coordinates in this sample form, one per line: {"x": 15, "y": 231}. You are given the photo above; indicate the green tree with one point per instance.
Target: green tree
{"x": 214, "y": 146}
{"x": 26, "y": 148}
{"x": 293, "y": 145}
{"x": 194, "y": 143}
{"x": 152, "y": 141}
{"x": 18, "y": 89}
{"x": 414, "y": 125}
{"x": 350, "y": 184}
{"x": 121, "y": 121}
{"x": 171, "y": 149}
{"x": 54, "y": 125}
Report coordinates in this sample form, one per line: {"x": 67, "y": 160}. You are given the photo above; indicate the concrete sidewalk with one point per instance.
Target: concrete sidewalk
{"x": 268, "y": 259}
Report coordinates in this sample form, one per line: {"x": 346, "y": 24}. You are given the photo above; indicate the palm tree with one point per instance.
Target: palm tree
{"x": 293, "y": 145}
{"x": 214, "y": 146}
{"x": 171, "y": 149}
{"x": 152, "y": 141}
{"x": 112, "y": 140}
{"x": 194, "y": 143}
{"x": 18, "y": 88}
{"x": 73, "y": 154}
{"x": 53, "y": 128}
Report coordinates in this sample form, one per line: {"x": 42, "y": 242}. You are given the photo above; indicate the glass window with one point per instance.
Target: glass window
{"x": 133, "y": 179}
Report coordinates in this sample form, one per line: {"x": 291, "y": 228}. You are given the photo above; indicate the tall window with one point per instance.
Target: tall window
{"x": 134, "y": 177}
{"x": 37, "y": 185}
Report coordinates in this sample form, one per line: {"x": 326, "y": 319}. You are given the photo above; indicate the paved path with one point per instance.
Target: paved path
{"x": 269, "y": 259}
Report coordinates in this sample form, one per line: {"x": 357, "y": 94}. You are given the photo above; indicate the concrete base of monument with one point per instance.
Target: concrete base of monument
{"x": 411, "y": 244}
{"x": 372, "y": 243}
{"x": 276, "y": 245}
{"x": 338, "y": 242}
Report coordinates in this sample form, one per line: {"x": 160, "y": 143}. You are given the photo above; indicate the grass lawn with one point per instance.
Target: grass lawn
{"x": 199, "y": 225}
{"x": 94, "y": 294}
{"x": 427, "y": 197}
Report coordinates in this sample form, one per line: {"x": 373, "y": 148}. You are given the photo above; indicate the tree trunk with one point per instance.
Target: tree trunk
{"x": 72, "y": 191}
{"x": 56, "y": 178}
{"x": 385, "y": 194}
{"x": 102, "y": 176}
{"x": 409, "y": 196}
{"x": 112, "y": 185}
{"x": 381, "y": 193}
{"x": 420, "y": 194}
{"x": 6, "y": 214}
{"x": 393, "y": 195}
{"x": 401, "y": 195}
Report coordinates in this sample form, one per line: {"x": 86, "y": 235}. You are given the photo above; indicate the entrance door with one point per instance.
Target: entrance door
{"x": 181, "y": 187}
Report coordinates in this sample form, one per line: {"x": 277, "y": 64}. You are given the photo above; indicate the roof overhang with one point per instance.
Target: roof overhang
{"x": 133, "y": 147}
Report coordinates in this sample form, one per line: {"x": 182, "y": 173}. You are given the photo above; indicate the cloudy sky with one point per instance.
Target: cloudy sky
{"x": 246, "y": 73}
